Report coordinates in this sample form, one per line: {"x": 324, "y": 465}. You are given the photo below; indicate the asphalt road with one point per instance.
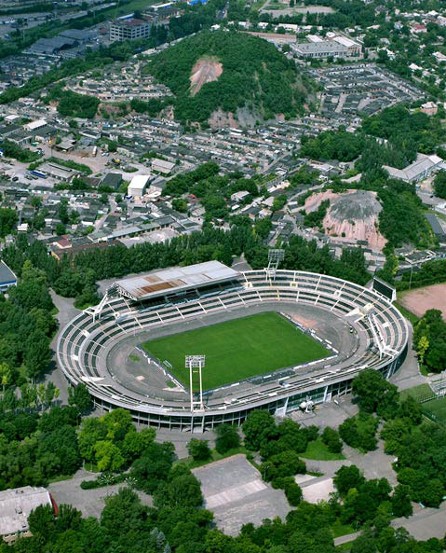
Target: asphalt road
{"x": 66, "y": 312}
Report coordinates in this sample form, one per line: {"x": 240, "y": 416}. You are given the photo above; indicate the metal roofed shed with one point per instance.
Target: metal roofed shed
{"x": 16, "y": 505}
{"x": 176, "y": 279}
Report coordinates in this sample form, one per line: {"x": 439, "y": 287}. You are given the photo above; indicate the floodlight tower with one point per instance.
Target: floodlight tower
{"x": 275, "y": 256}
{"x": 195, "y": 363}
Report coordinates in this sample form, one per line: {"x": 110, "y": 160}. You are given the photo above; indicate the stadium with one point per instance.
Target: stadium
{"x": 193, "y": 347}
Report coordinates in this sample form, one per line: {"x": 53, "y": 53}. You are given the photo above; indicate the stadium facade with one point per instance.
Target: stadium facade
{"x": 134, "y": 309}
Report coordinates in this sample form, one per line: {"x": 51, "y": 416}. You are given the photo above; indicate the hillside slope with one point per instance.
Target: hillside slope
{"x": 253, "y": 75}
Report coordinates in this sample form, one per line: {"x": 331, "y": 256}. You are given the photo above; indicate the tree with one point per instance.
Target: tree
{"x": 180, "y": 491}
{"x": 91, "y": 431}
{"x": 293, "y": 492}
{"x": 6, "y": 374}
{"x": 256, "y": 429}
{"x": 199, "y": 450}
{"x": 360, "y": 431}
{"x": 153, "y": 467}
{"x": 8, "y": 221}
{"x": 37, "y": 354}
{"x": 422, "y": 347}
{"x": 135, "y": 443}
{"x": 227, "y": 438}
{"x": 123, "y": 513}
{"x": 330, "y": 437}
{"x": 283, "y": 464}
{"x": 401, "y": 504}
{"x": 108, "y": 456}
{"x": 60, "y": 229}
{"x": 374, "y": 394}
{"x": 440, "y": 184}
{"x": 80, "y": 398}
{"x": 347, "y": 478}
{"x": 41, "y": 521}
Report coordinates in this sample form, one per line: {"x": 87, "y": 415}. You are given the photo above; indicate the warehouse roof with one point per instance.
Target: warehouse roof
{"x": 139, "y": 182}
{"x": 176, "y": 279}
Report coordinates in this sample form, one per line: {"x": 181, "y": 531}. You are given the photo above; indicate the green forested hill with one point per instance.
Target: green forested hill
{"x": 255, "y": 75}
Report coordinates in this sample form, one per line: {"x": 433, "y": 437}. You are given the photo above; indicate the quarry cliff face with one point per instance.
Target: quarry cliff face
{"x": 351, "y": 217}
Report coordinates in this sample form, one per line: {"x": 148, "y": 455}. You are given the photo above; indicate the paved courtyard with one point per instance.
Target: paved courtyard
{"x": 89, "y": 502}
{"x": 235, "y": 492}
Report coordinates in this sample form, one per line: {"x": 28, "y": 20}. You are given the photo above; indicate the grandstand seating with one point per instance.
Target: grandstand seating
{"x": 83, "y": 345}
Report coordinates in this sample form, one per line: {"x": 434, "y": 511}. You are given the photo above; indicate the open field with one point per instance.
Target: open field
{"x": 421, "y": 299}
{"x": 238, "y": 349}
{"x": 436, "y": 409}
{"x": 420, "y": 393}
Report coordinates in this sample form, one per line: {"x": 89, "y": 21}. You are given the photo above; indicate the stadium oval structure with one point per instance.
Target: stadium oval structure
{"x": 362, "y": 328}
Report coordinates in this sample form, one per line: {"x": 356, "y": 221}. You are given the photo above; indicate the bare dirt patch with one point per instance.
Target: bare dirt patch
{"x": 352, "y": 216}
{"x": 206, "y": 70}
{"x": 420, "y": 300}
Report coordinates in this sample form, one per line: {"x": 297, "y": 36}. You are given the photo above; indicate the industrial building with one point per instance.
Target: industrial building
{"x": 138, "y": 185}
{"x": 420, "y": 169}
{"x": 336, "y": 47}
{"x": 129, "y": 29}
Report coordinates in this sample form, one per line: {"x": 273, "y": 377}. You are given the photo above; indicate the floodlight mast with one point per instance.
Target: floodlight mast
{"x": 275, "y": 256}
{"x": 195, "y": 363}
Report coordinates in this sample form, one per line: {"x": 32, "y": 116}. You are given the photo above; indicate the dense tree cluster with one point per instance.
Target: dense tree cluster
{"x": 360, "y": 431}
{"x": 213, "y": 190}
{"x": 440, "y": 185}
{"x": 152, "y": 107}
{"x": 429, "y": 273}
{"x": 411, "y": 131}
{"x": 35, "y": 447}
{"x": 315, "y": 218}
{"x": 8, "y": 221}
{"x": 279, "y": 446}
{"x": 76, "y": 277}
{"x": 430, "y": 341}
{"x": 255, "y": 75}
{"x": 26, "y": 326}
{"x": 72, "y": 104}
{"x": 11, "y": 149}
{"x": 405, "y": 435}
{"x": 329, "y": 145}
{"x": 402, "y": 220}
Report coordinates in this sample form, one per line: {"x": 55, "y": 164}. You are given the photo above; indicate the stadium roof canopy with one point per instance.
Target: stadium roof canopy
{"x": 176, "y": 279}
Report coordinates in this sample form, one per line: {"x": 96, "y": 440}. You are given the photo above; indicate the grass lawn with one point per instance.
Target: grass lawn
{"x": 420, "y": 393}
{"x": 437, "y": 408}
{"x": 411, "y": 317}
{"x": 318, "y": 451}
{"x": 238, "y": 349}
{"x": 340, "y": 529}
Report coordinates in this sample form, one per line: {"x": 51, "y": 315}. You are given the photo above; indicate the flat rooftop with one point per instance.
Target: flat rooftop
{"x": 17, "y": 504}
{"x": 176, "y": 279}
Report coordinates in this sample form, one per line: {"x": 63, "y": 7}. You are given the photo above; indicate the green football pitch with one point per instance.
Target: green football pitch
{"x": 436, "y": 408}
{"x": 238, "y": 349}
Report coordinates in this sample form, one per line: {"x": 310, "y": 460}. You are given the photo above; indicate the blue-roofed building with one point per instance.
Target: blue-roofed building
{"x": 7, "y": 277}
